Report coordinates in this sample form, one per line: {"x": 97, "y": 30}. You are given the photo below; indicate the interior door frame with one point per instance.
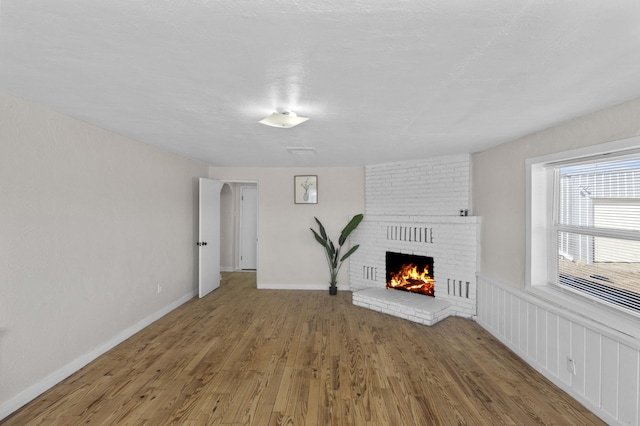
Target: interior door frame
{"x": 237, "y": 234}
{"x": 241, "y": 242}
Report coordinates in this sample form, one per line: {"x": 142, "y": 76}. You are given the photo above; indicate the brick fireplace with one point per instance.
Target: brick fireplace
{"x": 413, "y": 208}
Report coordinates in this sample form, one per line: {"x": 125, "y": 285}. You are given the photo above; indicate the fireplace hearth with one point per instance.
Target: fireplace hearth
{"x": 410, "y": 273}
{"x": 452, "y": 248}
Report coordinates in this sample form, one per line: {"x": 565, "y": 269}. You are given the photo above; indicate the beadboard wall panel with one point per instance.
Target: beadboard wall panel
{"x": 607, "y": 365}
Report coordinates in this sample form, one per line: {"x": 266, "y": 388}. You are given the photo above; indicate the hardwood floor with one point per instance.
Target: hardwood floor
{"x": 244, "y": 356}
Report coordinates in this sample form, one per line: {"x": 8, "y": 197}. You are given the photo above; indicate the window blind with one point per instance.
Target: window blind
{"x": 597, "y": 229}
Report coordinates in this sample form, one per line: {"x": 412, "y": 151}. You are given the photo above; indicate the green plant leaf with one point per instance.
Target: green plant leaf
{"x": 353, "y": 224}
{"x": 321, "y": 227}
{"x": 349, "y": 253}
{"x": 322, "y": 242}
{"x": 330, "y": 254}
{"x": 334, "y": 260}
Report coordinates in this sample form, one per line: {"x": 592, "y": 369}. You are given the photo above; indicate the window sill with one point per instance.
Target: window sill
{"x": 609, "y": 320}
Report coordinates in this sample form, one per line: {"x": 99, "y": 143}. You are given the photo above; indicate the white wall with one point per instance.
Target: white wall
{"x": 499, "y": 183}
{"x": 437, "y": 186}
{"x": 288, "y": 255}
{"x": 90, "y": 223}
{"x": 545, "y": 333}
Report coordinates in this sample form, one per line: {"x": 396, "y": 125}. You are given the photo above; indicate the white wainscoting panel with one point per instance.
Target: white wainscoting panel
{"x": 606, "y": 364}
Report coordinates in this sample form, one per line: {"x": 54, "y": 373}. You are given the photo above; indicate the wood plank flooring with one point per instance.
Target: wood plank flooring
{"x": 242, "y": 356}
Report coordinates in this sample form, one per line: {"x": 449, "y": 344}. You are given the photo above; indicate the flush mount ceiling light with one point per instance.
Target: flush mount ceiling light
{"x": 286, "y": 119}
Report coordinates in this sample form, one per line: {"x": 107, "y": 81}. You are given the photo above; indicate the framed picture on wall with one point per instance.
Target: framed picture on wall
{"x": 305, "y": 189}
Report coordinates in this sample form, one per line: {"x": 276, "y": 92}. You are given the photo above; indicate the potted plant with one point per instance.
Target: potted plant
{"x": 332, "y": 252}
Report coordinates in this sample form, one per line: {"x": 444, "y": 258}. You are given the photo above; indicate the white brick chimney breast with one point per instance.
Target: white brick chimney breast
{"x": 415, "y": 207}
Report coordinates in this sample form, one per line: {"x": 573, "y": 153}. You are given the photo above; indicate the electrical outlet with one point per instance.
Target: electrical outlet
{"x": 571, "y": 366}
{"x": 159, "y": 288}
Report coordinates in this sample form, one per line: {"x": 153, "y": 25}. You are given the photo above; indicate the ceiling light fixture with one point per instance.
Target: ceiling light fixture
{"x": 285, "y": 120}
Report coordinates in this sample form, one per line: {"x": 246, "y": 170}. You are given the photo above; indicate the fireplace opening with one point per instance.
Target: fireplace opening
{"x": 410, "y": 272}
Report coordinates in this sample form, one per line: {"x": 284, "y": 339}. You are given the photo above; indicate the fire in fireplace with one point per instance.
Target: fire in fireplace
{"x": 410, "y": 273}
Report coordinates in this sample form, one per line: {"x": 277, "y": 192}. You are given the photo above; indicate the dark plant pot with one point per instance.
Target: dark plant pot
{"x": 333, "y": 290}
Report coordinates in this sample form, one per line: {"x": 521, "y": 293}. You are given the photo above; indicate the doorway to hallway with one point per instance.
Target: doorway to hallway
{"x": 248, "y": 227}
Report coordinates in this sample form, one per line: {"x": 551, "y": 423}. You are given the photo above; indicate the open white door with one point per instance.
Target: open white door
{"x": 209, "y": 236}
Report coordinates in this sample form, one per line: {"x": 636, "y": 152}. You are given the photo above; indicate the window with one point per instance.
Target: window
{"x": 584, "y": 226}
{"x": 597, "y": 230}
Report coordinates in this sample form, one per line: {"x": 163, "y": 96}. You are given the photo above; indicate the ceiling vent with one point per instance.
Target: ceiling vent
{"x": 301, "y": 150}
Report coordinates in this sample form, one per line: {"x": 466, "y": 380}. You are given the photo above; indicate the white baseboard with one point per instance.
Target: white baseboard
{"x": 324, "y": 286}
{"x": 19, "y": 400}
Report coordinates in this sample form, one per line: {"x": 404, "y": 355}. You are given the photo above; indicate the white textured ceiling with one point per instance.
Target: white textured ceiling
{"x": 382, "y": 80}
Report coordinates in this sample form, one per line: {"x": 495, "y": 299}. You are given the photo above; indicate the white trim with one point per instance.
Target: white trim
{"x": 539, "y": 194}
{"x": 583, "y": 310}
{"x": 621, "y": 234}
{"x": 538, "y": 181}
{"x": 589, "y": 151}
{"x": 600, "y": 156}
{"x": 238, "y": 180}
{"x": 538, "y": 222}
{"x": 276, "y": 286}
{"x": 24, "y": 397}
{"x": 243, "y": 188}
{"x": 499, "y": 307}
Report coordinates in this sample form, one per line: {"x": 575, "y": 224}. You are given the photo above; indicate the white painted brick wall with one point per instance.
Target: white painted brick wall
{"x": 453, "y": 249}
{"x": 413, "y": 208}
{"x": 432, "y": 187}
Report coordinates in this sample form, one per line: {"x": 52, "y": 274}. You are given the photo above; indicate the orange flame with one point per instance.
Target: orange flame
{"x": 410, "y": 279}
